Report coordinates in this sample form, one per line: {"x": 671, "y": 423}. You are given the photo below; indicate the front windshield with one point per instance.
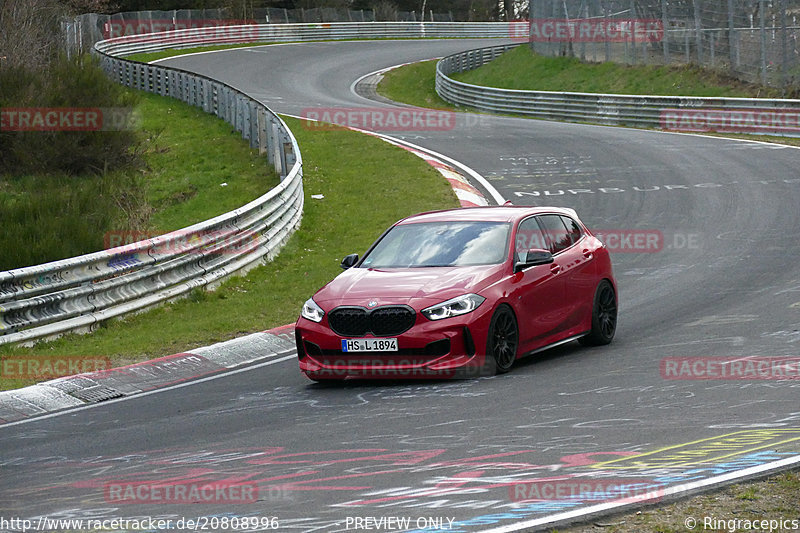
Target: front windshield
{"x": 440, "y": 244}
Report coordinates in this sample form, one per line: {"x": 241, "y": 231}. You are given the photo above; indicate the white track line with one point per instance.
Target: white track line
{"x": 674, "y": 491}
{"x": 224, "y": 374}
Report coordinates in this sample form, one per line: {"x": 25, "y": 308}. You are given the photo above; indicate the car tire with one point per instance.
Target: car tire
{"x": 604, "y": 316}
{"x": 503, "y": 340}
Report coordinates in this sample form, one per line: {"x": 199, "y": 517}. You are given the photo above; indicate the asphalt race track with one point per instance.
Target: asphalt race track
{"x": 722, "y": 279}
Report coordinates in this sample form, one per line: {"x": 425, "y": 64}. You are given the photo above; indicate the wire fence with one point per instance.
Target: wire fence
{"x": 756, "y": 40}
{"x": 83, "y": 31}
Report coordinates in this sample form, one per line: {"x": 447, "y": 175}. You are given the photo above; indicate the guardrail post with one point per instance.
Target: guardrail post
{"x": 254, "y": 140}
{"x": 261, "y": 124}
{"x": 141, "y": 75}
{"x": 214, "y": 95}
{"x": 240, "y": 114}
{"x": 206, "y": 86}
{"x": 287, "y": 150}
{"x": 223, "y": 111}
{"x": 245, "y": 105}
{"x": 162, "y": 81}
{"x": 132, "y": 79}
{"x": 269, "y": 134}
{"x": 148, "y": 78}
{"x": 277, "y": 157}
{"x": 187, "y": 88}
{"x": 219, "y": 100}
{"x": 193, "y": 91}
{"x": 178, "y": 94}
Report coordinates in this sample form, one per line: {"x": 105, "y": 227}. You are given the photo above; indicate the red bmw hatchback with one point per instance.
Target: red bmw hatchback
{"x": 460, "y": 292}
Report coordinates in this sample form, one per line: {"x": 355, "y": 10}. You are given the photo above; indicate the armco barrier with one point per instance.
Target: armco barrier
{"x": 614, "y": 109}
{"x": 77, "y": 293}
{"x": 272, "y": 33}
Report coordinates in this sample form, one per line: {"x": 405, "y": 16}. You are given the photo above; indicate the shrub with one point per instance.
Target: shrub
{"x": 73, "y": 83}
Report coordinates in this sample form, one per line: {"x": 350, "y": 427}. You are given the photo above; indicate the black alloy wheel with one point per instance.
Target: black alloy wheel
{"x": 503, "y": 340}
{"x": 604, "y": 316}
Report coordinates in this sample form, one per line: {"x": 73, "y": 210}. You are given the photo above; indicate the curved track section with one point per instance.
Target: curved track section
{"x": 723, "y": 281}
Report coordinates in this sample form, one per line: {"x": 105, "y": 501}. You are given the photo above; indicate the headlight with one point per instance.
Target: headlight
{"x": 312, "y": 311}
{"x": 457, "y": 306}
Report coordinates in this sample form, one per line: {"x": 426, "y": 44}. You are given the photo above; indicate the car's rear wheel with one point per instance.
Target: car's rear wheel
{"x": 503, "y": 339}
{"x": 604, "y": 316}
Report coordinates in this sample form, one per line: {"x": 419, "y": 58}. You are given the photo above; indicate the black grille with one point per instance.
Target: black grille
{"x": 381, "y": 322}
{"x": 349, "y": 321}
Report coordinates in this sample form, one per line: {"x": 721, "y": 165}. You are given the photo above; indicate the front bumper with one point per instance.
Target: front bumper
{"x": 449, "y": 348}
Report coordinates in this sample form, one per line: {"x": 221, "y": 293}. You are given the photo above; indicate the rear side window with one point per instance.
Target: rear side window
{"x": 529, "y": 237}
{"x": 558, "y": 238}
{"x": 573, "y": 228}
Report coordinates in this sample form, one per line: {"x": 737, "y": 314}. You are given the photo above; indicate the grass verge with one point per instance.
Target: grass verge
{"x": 414, "y": 84}
{"x": 195, "y": 167}
{"x": 521, "y": 69}
{"x": 774, "y": 498}
{"x": 199, "y": 166}
{"x": 367, "y": 185}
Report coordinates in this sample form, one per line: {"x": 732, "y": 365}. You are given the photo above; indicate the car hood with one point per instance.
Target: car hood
{"x": 360, "y": 286}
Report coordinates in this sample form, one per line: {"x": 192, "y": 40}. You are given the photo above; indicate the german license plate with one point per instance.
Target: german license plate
{"x": 369, "y": 345}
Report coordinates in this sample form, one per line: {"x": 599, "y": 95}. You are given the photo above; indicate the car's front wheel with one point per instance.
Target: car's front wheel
{"x": 503, "y": 339}
{"x": 604, "y": 316}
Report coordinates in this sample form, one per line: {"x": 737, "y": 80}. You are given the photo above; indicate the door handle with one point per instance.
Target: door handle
{"x": 555, "y": 269}
{"x": 587, "y": 254}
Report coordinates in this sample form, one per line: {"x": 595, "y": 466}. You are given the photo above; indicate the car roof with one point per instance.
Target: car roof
{"x": 504, "y": 213}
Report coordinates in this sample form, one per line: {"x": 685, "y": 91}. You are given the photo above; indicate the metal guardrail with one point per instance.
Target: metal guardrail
{"x": 333, "y": 31}
{"x": 606, "y": 109}
{"x": 77, "y": 293}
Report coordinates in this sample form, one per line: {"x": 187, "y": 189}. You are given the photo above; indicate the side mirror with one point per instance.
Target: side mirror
{"x": 349, "y": 261}
{"x": 534, "y": 257}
